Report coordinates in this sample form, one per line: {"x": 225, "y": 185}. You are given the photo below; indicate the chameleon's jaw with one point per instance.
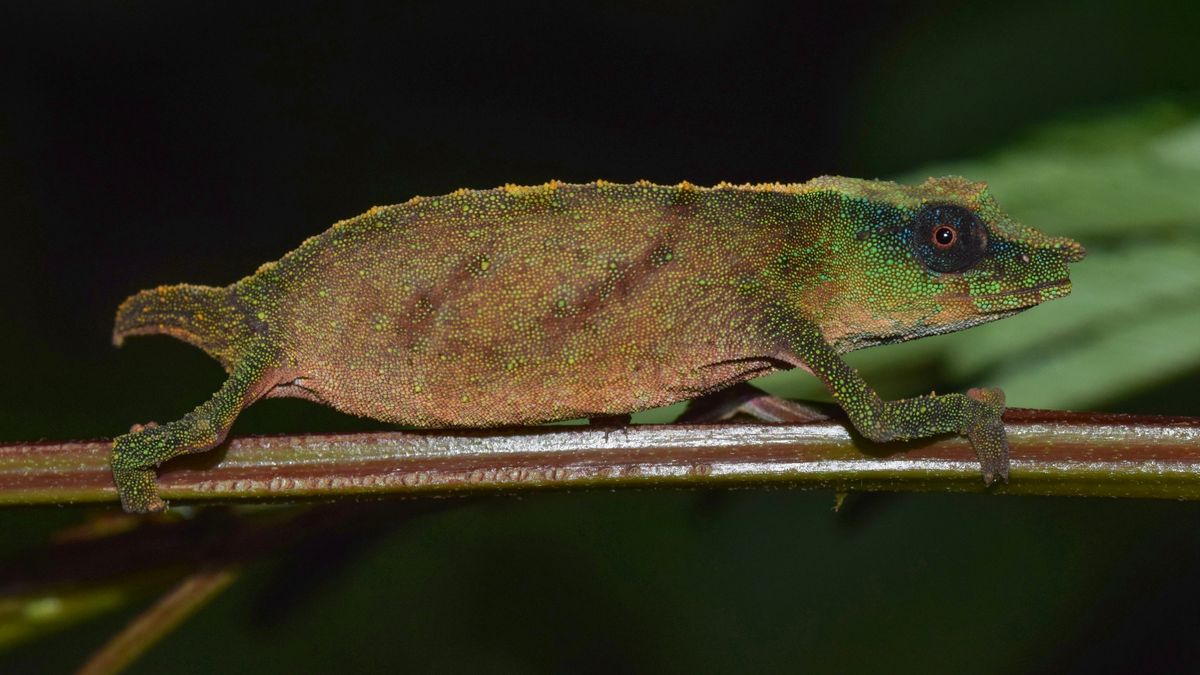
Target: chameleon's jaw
{"x": 1014, "y": 301}
{"x": 1054, "y": 290}
{"x": 967, "y": 311}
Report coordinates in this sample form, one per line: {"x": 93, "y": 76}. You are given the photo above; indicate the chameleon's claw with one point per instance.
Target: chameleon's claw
{"x": 991, "y": 474}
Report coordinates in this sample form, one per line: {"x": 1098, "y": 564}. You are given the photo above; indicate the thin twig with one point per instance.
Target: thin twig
{"x": 1053, "y": 453}
{"x": 192, "y": 593}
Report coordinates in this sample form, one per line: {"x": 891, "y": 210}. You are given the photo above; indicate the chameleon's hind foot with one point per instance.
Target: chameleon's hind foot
{"x": 985, "y": 429}
{"x": 133, "y": 460}
{"x": 136, "y": 455}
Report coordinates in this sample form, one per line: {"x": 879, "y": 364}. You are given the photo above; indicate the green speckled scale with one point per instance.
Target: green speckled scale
{"x": 522, "y": 305}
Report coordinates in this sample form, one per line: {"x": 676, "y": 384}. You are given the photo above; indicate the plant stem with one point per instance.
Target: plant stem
{"x": 192, "y": 593}
{"x": 1053, "y": 453}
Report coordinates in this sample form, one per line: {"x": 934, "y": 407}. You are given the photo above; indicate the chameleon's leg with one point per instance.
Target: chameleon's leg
{"x": 135, "y": 455}
{"x": 746, "y": 399}
{"x": 975, "y": 415}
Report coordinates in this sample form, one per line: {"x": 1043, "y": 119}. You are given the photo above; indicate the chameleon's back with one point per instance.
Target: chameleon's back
{"x": 525, "y": 304}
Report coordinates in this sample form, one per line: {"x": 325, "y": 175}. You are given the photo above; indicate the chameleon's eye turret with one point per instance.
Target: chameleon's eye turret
{"x": 948, "y": 238}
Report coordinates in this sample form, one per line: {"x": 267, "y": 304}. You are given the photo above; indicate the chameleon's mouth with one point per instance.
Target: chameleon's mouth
{"x": 1011, "y": 301}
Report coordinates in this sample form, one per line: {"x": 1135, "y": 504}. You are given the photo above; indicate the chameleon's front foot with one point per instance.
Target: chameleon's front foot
{"x": 984, "y": 427}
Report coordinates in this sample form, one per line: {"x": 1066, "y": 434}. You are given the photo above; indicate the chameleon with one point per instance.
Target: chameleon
{"x": 528, "y": 304}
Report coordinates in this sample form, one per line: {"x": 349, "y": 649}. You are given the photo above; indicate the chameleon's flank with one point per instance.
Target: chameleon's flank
{"x": 521, "y": 305}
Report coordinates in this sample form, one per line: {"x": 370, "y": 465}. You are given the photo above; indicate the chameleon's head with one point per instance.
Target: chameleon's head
{"x": 939, "y": 257}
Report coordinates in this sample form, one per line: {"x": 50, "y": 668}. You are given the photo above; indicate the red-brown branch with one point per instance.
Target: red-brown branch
{"x": 1053, "y": 453}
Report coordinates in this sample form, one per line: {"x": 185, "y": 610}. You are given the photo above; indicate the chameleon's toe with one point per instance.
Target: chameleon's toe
{"x": 985, "y": 430}
{"x": 137, "y": 491}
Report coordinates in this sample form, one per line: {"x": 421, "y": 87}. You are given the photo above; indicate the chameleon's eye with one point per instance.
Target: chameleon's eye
{"x": 948, "y": 238}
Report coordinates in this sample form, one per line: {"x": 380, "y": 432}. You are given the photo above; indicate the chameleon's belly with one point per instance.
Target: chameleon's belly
{"x": 453, "y": 395}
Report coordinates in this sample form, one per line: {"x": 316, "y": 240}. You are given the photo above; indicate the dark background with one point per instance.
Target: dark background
{"x": 144, "y": 143}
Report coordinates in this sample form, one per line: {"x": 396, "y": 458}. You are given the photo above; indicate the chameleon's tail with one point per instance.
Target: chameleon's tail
{"x": 203, "y": 316}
